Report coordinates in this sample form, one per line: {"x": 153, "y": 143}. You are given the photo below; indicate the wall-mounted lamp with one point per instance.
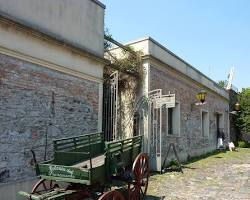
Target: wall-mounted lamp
{"x": 236, "y": 109}
{"x": 201, "y": 97}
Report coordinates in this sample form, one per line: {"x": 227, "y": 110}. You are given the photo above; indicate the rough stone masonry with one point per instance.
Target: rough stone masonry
{"x": 190, "y": 142}
{"x": 38, "y": 103}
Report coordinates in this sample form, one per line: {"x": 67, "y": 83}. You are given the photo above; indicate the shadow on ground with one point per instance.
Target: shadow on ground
{"x": 217, "y": 157}
{"x": 168, "y": 169}
{"x": 195, "y": 159}
{"x": 149, "y": 197}
{"x": 186, "y": 167}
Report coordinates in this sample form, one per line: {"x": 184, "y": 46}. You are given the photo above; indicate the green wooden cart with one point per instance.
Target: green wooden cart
{"x": 86, "y": 163}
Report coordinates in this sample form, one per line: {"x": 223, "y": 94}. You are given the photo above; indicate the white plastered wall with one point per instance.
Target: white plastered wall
{"x": 79, "y": 22}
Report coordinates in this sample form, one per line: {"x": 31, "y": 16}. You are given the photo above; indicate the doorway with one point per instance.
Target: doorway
{"x": 110, "y": 107}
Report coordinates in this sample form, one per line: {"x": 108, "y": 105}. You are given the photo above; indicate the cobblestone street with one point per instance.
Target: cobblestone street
{"x": 220, "y": 176}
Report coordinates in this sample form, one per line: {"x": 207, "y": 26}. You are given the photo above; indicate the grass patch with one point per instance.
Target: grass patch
{"x": 216, "y": 156}
{"x": 192, "y": 166}
{"x": 201, "y": 157}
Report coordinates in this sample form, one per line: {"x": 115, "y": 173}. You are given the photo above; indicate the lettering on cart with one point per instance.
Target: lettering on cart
{"x": 61, "y": 172}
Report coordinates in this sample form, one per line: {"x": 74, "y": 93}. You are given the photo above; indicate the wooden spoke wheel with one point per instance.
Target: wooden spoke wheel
{"x": 43, "y": 186}
{"x": 112, "y": 195}
{"x": 138, "y": 188}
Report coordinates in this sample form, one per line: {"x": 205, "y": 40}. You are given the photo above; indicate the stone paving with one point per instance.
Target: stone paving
{"x": 219, "y": 176}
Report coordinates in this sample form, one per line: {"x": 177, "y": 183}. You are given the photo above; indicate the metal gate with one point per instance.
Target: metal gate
{"x": 110, "y": 107}
{"x": 154, "y": 129}
{"x": 157, "y": 125}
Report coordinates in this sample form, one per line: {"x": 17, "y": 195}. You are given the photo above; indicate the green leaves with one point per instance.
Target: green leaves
{"x": 222, "y": 83}
{"x": 243, "y": 118}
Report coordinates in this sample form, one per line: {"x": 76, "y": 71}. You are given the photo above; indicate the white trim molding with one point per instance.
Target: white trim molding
{"x": 48, "y": 65}
{"x": 207, "y": 131}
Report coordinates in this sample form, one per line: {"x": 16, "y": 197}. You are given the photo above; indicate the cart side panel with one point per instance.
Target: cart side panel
{"x": 121, "y": 153}
{"x": 89, "y": 145}
{"x": 82, "y": 141}
{"x": 137, "y": 146}
{"x": 61, "y": 171}
{"x": 71, "y": 174}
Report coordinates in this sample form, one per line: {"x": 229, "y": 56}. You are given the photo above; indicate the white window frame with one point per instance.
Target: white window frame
{"x": 207, "y": 133}
{"x": 178, "y": 126}
{"x": 222, "y": 121}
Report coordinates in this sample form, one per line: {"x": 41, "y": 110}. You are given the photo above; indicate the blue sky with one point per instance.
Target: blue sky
{"x": 211, "y": 35}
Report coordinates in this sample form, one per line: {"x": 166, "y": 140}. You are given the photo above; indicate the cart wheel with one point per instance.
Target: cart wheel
{"x": 112, "y": 195}
{"x": 43, "y": 186}
{"x": 138, "y": 188}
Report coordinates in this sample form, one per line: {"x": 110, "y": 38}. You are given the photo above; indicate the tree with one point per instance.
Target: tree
{"x": 222, "y": 83}
{"x": 243, "y": 118}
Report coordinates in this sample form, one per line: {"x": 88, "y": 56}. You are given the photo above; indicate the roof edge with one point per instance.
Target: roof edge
{"x": 99, "y": 3}
{"x": 177, "y": 57}
{"x": 223, "y": 95}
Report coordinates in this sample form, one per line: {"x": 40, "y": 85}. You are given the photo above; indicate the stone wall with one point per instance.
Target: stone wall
{"x": 190, "y": 141}
{"x": 35, "y": 103}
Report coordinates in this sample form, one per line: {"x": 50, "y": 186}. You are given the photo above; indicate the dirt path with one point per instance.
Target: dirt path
{"x": 220, "y": 176}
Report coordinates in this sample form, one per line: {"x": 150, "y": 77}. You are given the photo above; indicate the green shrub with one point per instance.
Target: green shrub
{"x": 243, "y": 144}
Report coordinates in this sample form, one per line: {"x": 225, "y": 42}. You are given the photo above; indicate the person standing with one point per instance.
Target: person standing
{"x": 221, "y": 138}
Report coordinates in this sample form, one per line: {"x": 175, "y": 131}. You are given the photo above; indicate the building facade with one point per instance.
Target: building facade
{"x": 51, "y": 81}
{"x": 51, "y": 86}
{"x": 192, "y": 128}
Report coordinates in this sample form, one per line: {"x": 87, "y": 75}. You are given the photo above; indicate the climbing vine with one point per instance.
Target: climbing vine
{"x": 125, "y": 60}
{"x": 128, "y": 63}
